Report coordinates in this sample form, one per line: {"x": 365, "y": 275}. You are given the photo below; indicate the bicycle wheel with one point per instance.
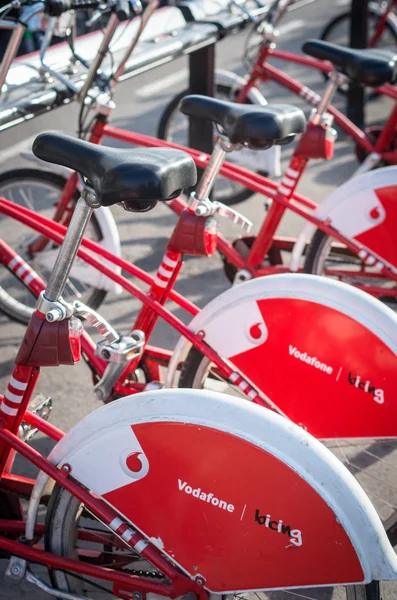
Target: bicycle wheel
{"x": 173, "y": 127}
{"x": 327, "y": 257}
{"x": 372, "y": 462}
{"x": 39, "y": 191}
{"x": 338, "y": 32}
{"x": 66, "y": 515}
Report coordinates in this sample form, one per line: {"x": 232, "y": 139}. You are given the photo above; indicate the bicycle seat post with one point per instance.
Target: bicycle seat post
{"x": 211, "y": 171}
{"x": 336, "y": 79}
{"x": 70, "y": 246}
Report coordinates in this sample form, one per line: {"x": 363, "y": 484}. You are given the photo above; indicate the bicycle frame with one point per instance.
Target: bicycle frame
{"x": 284, "y": 198}
{"x": 381, "y": 24}
{"x": 262, "y": 71}
{"x": 153, "y": 301}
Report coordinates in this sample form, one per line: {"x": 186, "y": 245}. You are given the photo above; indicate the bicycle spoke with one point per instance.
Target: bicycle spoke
{"x": 27, "y": 201}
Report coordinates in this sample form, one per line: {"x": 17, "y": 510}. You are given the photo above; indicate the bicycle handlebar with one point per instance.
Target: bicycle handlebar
{"x": 55, "y": 8}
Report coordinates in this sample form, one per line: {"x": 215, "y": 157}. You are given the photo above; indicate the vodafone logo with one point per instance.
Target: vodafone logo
{"x": 374, "y": 213}
{"x": 134, "y": 464}
{"x": 256, "y": 333}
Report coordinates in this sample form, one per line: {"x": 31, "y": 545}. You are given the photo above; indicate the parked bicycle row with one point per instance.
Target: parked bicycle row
{"x": 184, "y": 492}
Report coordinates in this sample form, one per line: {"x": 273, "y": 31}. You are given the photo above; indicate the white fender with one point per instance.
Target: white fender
{"x": 263, "y": 160}
{"x": 161, "y": 442}
{"x": 330, "y": 338}
{"x": 110, "y": 241}
{"x": 363, "y": 208}
{"x": 357, "y": 304}
{"x": 299, "y": 247}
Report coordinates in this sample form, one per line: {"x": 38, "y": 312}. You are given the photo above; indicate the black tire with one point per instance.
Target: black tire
{"x": 334, "y": 24}
{"x": 10, "y": 305}
{"x": 241, "y": 194}
{"x": 63, "y": 514}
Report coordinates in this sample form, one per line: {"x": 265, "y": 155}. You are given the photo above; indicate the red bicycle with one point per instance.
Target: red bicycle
{"x": 382, "y": 26}
{"x": 263, "y": 322}
{"x": 375, "y": 146}
{"x": 132, "y": 477}
{"x": 355, "y": 239}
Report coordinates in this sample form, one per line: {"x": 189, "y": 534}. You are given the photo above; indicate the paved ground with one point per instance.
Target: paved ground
{"x": 139, "y": 104}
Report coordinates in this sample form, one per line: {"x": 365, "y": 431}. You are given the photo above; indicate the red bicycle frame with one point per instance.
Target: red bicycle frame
{"x": 381, "y": 24}
{"x": 284, "y": 198}
{"x": 262, "y": 71}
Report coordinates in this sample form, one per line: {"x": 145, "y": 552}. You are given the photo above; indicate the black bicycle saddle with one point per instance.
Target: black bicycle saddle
{"x": 138, "y": 178}
{"x": 257, "y": 126}
{"x": 365, "y": 67}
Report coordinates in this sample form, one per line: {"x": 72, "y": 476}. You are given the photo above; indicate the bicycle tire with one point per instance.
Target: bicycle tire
{"x": 195, "y": 367}
{"x": 164, "y": 134}
{"x": 60, "y": 538}
{"x": 326, "y": 34}
{"x": 10, "y": 305}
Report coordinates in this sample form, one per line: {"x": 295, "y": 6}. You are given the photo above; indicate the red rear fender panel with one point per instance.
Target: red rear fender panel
{"x": 365, "y": 208}
{"x": 229, "y": 491}
{"x": 324, "y": 352}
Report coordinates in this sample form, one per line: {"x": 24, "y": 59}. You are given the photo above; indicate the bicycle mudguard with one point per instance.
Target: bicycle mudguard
{"x": 324, "y": 352}
{"x": 229, "y": 492}
{"x": 363, "y": 208}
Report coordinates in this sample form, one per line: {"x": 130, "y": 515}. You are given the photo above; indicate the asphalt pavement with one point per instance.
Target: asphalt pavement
{"x": 139, "y": 103}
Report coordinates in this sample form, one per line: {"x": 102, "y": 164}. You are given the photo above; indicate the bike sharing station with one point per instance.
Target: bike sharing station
{"x": 168, "y": 491}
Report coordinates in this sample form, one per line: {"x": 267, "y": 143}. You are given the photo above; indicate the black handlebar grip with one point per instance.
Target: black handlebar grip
{"x": 54, "y": 8}
{"x": 122, "y": 9}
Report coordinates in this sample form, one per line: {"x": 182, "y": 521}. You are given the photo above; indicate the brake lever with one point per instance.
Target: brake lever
{"x": 229, "y": 213}
{"x": 104, "y": 328}
{"x": 210, "y": 208}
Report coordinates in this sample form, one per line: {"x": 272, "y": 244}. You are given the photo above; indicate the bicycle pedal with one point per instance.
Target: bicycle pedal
{"x": 41, "y": 406}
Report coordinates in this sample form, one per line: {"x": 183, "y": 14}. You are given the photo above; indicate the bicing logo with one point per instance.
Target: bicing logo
{"x": 295, "y": 535}
{"x": 377, "y": 393}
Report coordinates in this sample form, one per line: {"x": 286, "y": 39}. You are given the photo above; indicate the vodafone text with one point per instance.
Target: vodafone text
{"x": 313, "y": 361}
{"x": 200, "y": 495}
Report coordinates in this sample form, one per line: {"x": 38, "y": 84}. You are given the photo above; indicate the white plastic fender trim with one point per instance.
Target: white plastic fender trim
{"x": 347, "y": 204}
{"x": 362, "y": 307}
{"x": 275, "y": 434}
